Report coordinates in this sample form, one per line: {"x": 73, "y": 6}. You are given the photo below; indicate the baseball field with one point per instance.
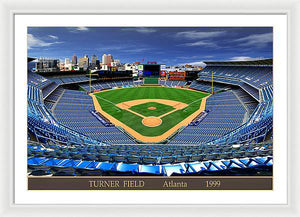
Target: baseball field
{"x": 150, "y": 114}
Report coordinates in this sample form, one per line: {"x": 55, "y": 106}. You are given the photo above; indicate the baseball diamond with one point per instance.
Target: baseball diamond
{"x": 152, "y": 108}
{"x": 129, "y": 108}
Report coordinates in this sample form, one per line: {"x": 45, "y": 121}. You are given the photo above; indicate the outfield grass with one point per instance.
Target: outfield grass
{"x": 108, "y": 99}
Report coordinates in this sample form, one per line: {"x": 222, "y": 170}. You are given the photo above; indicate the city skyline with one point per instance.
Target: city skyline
{"x": 166, "y": 45}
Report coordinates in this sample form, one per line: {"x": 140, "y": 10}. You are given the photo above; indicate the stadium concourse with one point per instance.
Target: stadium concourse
{"x": 233, "y": 135}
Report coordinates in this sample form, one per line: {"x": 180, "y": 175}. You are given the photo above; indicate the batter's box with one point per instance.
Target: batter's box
{"x": 150, "y": 114}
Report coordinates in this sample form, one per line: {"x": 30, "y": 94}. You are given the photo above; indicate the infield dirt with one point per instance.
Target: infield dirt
{"x": 150, "y": 139}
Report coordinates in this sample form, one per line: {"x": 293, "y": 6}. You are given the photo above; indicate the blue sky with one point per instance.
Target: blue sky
{"x": 166, "y": 45}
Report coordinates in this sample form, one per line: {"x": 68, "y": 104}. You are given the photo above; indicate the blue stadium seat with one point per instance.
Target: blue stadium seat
{"x": 175, "y": 169}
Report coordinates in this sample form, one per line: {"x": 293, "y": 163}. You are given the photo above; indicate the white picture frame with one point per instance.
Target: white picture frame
{"x": 9, "y": 9}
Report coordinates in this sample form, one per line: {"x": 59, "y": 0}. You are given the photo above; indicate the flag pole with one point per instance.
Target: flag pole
{"x": 90, "y": 80}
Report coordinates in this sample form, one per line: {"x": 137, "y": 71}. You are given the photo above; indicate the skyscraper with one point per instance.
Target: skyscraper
{"x": 74, "y": 59}
{"x": 47, "y": 65}
{"x": 67, "y": 61}
{"x": 83, "y": 63}
{"x": 107, "y": 59}
{"x": 94, "y": 61}
{"x": 104, "y": 59}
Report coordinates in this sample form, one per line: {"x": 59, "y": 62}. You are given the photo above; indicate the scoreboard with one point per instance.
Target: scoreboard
{"x": 150, "y": 70}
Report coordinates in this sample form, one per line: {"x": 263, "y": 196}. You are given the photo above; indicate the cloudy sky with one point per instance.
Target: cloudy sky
{"x": 166, "y": 45}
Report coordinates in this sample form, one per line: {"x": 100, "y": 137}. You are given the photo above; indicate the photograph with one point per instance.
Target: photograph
{"x": 150, "y": 108}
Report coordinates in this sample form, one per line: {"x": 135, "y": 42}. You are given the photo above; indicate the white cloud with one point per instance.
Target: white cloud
{"x": 188, "y": 57}
{"x": 200, "y": 44}
{"x": 143, "y": 30}
{"x": 199, "y": 35}
{"x": 194, "y": 57}
{"x": 111, "y": 47}
{"x": 79, "y": 29}
{"x": 137, "y": 50}
{"x": 82, "y": 28}
{"x": 53, "y": 36}
{"x": 33, "y": 41}
{"x": 199, "y": 63}
{"x": 128, "y": 48}
{"x": 244, "y": 58}
{"x": 257, "y": 40}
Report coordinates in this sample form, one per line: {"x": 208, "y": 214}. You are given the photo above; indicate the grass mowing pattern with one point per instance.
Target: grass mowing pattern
{"x": 160, "y": 109}
{"x": 151, "y": 81}
{"x": 135, "y": 122}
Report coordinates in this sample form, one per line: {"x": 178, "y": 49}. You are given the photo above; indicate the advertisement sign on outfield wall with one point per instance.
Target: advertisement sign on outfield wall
{"x": 140, "y": 67}
{"x": 163, "y": 73}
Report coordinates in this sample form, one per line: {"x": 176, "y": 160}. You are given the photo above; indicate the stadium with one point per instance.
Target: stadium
{"x": 219, "y": 123}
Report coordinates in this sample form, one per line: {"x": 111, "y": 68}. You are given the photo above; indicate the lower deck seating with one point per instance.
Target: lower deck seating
{"x": 172, "y": 83}
{"x": 74, "y": 110}
{"x": 71, "y": 141}
{"x": 44, "y": 127}
{"x": 67, "y": 167}
{"x": 225, "y": 114}
{"x": 152, "y": 159}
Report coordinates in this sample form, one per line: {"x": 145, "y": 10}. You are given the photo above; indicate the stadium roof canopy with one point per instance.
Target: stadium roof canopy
{"x": 255, "y": 62}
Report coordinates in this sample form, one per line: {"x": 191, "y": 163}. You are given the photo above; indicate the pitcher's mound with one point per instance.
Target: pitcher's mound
{"x": 151, "y": 108}
{"x": 151, "y": 121}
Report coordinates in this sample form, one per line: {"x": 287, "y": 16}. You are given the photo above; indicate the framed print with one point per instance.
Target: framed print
{"x": 168, "y": 124}
{"x": 150, "y": 109}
